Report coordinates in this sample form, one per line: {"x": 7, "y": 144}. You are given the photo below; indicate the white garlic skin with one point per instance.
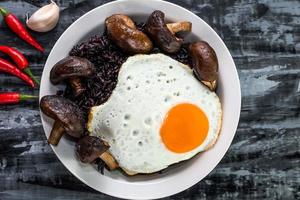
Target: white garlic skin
{"x": 45, "y": 18}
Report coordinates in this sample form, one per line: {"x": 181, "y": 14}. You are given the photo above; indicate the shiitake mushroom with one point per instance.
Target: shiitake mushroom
{"x": 89, "y": 148}
{"x": 164, "y": 34}
{"x": 68, "y": 117}
{"x": 204, "y": 62}
{"x": 123, "y": 32}
{"x": 72, "y": 69}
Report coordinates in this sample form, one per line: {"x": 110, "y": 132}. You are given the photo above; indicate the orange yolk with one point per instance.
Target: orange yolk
{"x": 185, "y": 127}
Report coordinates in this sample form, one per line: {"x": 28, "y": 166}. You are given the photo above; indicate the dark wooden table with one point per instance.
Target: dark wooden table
{"x": 263, "y": 161}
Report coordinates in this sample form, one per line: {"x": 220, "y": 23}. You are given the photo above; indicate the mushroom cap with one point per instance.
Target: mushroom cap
{"x": 64, "y": 111}
{"x": 204, "y": 61}
{"x": 159, "y": 32}
{"x": 70, "y": 67}
{"x": 89, "y": 148}
{"x": 122, "y": 30}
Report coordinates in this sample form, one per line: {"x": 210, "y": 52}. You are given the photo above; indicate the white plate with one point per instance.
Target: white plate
{"x": 177, "y": 178}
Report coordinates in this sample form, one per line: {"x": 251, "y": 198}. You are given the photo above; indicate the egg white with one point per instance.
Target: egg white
{"x": 130, "y": 121}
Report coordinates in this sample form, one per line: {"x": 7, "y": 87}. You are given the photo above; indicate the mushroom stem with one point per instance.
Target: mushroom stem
{"x": 56, "y": 133}
{"x": 77, "y": 86}
{"x": 180, "y": 27}
{"x": 212, "y": 85}
{"x": 109, "y": 160}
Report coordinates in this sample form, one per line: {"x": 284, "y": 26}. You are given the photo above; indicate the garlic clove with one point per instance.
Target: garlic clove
{"x": 45, "y": 18}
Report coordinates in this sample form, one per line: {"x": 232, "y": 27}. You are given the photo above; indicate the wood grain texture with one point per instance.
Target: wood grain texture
{"x": 263, "y": 161}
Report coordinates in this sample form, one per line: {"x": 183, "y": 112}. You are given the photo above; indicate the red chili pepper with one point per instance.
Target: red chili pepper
{"x": 14, "y": 97}
{"x": 17, "y": 27}
{"x": 7, "y": 67}
{"x": 20, "y": 60}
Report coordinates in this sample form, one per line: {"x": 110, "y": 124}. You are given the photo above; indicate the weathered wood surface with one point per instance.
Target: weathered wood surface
{"x": 263, "y": 161}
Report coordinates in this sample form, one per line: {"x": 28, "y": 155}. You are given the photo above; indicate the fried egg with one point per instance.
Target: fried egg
{"x": 158, "y": 114}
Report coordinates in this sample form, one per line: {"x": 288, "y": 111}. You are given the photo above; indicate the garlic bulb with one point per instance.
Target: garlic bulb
{"x": 45, "y": 18}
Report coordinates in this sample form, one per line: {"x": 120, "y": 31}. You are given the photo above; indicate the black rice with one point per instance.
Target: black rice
{"x": 107, "y": 59}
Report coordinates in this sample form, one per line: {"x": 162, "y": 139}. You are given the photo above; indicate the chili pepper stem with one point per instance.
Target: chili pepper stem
{"x": 24, "y": 97}
{"x": 3, "y": 12}
{"x": 29, "y": 73}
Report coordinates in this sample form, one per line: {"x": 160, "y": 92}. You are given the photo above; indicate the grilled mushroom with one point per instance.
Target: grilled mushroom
{"x": 67, "y": 115}
{"x": 122, "y": 30}
{"x": 72, "y": 69}
{"x": 164, "y": 34}
{"x": 89, "y": 148}
{"x": 205, "y": 63}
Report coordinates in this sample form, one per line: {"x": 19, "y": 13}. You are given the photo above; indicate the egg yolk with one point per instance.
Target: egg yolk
{"x": 185, "y": 127}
